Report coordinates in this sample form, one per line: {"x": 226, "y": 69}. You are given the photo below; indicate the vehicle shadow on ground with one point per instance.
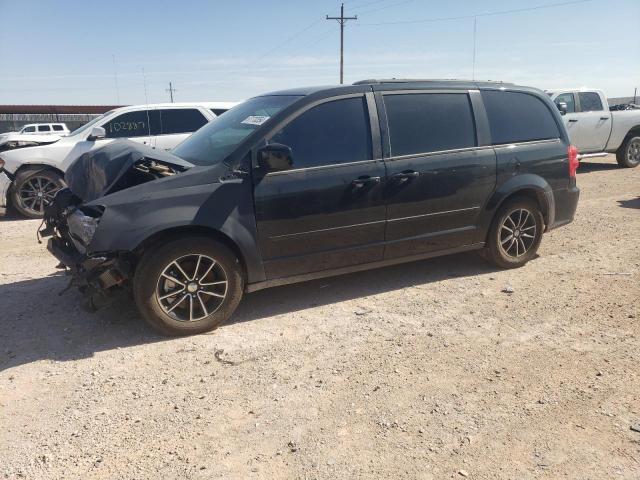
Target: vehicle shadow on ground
{"x": 38, "y": 324}
{"x": 590, "y": 166}
{"x": 633, "y": 203}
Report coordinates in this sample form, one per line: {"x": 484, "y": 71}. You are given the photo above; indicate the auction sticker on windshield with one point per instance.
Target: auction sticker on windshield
{"x": 255, "y": 120}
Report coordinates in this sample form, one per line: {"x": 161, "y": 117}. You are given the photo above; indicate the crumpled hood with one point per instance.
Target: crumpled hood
{"x": 120, "y": 164}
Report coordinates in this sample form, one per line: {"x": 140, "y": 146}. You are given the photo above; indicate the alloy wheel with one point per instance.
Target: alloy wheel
{"x": 633, "y": 151}
{"x": 36, "y": 193}
{"x": 517, "y": 232}
{"x": 191, "y": 287}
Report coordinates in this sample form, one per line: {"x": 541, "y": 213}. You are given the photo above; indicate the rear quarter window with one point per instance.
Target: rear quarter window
{"x": 57, "y": 128}
{"x": 518, "y": 117}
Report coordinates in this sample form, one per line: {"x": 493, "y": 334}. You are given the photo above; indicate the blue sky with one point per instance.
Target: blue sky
{"x": 62, "y": 51}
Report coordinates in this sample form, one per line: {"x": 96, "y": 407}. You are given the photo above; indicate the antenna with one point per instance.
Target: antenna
{"x": 475, "y": 29}
{"x": 170, "y": 90}
{"x": 342, "y": 20}
{"x": 146, "y": 101}
{"x": 115, "y": 78}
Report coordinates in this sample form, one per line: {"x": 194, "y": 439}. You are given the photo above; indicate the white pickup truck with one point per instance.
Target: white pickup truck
{"x": 597, "y": 131}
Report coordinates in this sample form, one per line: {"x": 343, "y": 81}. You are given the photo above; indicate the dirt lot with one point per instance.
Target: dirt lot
{"x": 427, "y": 370}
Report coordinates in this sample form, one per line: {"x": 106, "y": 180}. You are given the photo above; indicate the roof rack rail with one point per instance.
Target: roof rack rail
{"x": 374, "y": 81}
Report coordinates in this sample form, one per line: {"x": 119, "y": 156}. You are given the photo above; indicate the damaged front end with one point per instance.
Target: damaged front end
{"x": 73, "y": 219}
{"x": 71, "y": 227}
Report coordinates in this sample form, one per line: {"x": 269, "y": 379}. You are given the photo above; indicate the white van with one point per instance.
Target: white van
{"x": 30, "y": 177}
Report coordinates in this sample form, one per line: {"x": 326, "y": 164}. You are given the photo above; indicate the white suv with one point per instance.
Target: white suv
{"x": 45, "y": 129}
{"x": 30, "y": 177}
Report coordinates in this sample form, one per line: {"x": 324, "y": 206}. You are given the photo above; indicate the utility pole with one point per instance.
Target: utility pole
{"x": 342, "y": 20}
{"x": 635, "y": 95}
{"x": 170, "y": 90}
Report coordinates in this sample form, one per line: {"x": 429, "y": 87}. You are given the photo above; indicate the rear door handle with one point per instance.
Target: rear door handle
{"x": 604, "y": 118}
{"x": 406, "y": 175}
{"x": 572, "y": 120}
{"x": 365, "y": 180}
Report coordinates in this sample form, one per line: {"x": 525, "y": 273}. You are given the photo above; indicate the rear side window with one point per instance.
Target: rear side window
{"x": 181, "y": 120}
{"x": 518, "y": 117}
{"x": 429, "y": 122}
{"x": 44, "y": 128}
{"x": 331, "y": 133}
{"x": 128, "y": 125}
{"x": 58, "y": 128}
{"x": 590, "y": 102}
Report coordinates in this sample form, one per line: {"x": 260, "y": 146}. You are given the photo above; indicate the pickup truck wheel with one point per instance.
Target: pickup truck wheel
{"x": 628, "y": 155}
{"x": 515, "y": 234}
{"x": 188, "y": 286}
{"x": 33, "y": 189}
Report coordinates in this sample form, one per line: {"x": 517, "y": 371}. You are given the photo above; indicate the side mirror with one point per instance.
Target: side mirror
{"x": 562, "y": 106}
{"x": 275, "y": 157}
{"x": 97, "y": 133}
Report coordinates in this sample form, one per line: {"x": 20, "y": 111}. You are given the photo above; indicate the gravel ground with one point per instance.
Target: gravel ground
{"x": 421, "y": 371}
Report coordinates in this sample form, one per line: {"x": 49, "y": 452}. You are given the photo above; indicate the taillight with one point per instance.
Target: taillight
{"x": 574, "y": 163}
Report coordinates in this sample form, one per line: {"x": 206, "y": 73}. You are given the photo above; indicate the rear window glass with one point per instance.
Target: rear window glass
{"x": 518, "y": 117}
{"x": 181, "y": 120}
{"x": 590, "y": 102}
{"x": 429, "y": 122}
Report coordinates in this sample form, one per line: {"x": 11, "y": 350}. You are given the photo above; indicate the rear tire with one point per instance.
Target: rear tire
{"x": 32, "y": 189}
{"x": 628, "y": 155}
{"x": 515, "y": 233}
{"x": 188, "y": 286}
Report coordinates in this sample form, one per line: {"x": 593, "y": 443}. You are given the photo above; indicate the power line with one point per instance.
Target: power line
{"x": 486, "y": 14}
{"x": 342, "y": 20}
{"x": 384, "y": 7}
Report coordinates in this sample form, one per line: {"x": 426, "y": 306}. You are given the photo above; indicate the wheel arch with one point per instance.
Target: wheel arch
{"x": 172, "y": 233}
{"x": 529, "y": 186}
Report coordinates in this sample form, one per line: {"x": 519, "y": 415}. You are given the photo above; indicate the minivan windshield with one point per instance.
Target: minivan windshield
{"x": 219, "y": 138}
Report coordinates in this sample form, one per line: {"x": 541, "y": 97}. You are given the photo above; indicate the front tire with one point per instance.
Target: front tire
{"x": 628, "y": 155}
{"x": 515, "y": 234}
{"x": 33, "y": 189}
{"x": 188, "y": 286}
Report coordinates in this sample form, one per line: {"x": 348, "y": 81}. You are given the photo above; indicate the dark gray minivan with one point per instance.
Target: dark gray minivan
{"x": 313, "y": 182}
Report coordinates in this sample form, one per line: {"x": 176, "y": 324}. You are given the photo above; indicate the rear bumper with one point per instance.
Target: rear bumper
{"x": 5, "y": 183}
{"x": 566, "y": 203}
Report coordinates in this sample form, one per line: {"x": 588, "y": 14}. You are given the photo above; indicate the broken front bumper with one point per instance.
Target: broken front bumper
{"x": 5, "y": 183}
{"x": 91, "y": 274}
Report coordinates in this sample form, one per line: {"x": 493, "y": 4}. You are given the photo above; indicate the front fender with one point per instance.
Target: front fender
{"x": 135, "y": 215}
{"x": 526, "y": 183}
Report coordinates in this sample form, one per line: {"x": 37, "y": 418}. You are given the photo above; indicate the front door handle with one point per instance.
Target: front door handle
{"x": 572, "y": 120}
{"x": 364, "y": 180}
{"x": 604, "y": 118}
{"x": 406, "y": 175}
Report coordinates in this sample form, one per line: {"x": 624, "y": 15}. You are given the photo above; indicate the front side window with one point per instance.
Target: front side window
{"x": 217, "y": 140}
{"x": 590, "y": 102}
{"x": 518, "y": 117}
{"x": 567, "y": 98}
{"x": 180, "y": 120}
{"x": 129, "y": 125}
{"x": 334, "y": 132}
{"x": 44, "y": 128}
{"x": 29, "y": 129}
{"x": 429, "y": 122}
